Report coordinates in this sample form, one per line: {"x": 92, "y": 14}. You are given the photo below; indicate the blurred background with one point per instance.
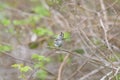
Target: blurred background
{"x": 91, "y": 44}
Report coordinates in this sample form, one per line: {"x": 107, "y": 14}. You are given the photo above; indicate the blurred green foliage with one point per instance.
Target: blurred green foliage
{"x": 79, "y": 51}
{"x": 41, "y": 11}
{"x": 30, "y": 20}
{"x": 19, "y": 22}
{"x": 67, "y": 36}
{"x": 4, "y": 48}
{"x": 50, "y": 43}
{"x": 42, "y": 31}
{"x": 61, "y": 58}
{"x": 117, "y": 77}
{"x": 40, "y": 58}
{"x": 10, "y": 30}
{"x": 2, "y": 6}
{"x": 5, "y": 22}
{"x": 40, "y": 62}
{"x": 41, "y": 74}
{"x": 54, "y": 2}
{"x": 33, "y": 45}
{"x": 113, "y": 58}
{"x": 23, "y": 69}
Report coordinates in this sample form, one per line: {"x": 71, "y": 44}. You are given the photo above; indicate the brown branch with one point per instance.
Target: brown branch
{"x": 64, "y": 61}
{"x": 79, "y": 68}
{"x": 29, "y": 78}
{"x": 62, "y": 66}
{"x": 91, "y": 73}
{"x": 17, "y": 58}
{"x": 64, "y": 50}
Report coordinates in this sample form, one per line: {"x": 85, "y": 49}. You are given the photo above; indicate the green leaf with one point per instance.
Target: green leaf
{"x": 116, "y": 77}
{"x": 42, "y": 31}
{"x": 67, "y": 36}
{"x": 33, "y": 19}
{"x": 21, "y": 67}
{"x": 33, "y": 45}
{"x": 54, "y": 2}
{"x": 50, "y": 43}
{"x": 39, "y": 65}
{"x": 30, "y": 20}
{"x": 41, "y": 74}
{"x": 47, "y": 59}
{"x": 40, "y": 57}
{"x": 4, "y": 48}
{"x": 61, "y": 57}
{"x": 15, "y": 65}
{"x": 25, "y": 69}
{"x": 41, "y": 10}
{"x": 18, "y": 22}
{"x": 35, "y": 56}
{"x": 80, "y": 51}
{"x": 6, "y": 22}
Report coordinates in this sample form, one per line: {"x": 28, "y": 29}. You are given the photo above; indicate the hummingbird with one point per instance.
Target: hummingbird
{"x": 59, "y": 40}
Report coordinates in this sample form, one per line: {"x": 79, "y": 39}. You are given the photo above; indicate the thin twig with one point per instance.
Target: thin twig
{"x": 32, "y": 73}
{"x": 27, "y": 62}
{"x": 116, "y": 72}
{"x": 91, "y": 73}
{"x": 79, "y": 68}
{"x": 64, "y": 50}
{"x": 62, "y": 66}
{"x": 64, "y": 61}
{"x": 17, "y": 58}
{"x": 104, "y": 12}
{"x": 104, "y": 77}
{"x": 105, "y": 31}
